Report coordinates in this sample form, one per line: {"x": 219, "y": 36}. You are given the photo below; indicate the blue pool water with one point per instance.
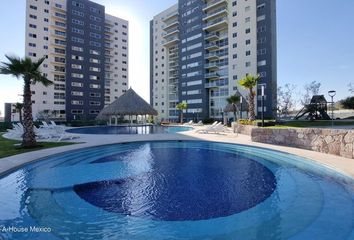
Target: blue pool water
{"x": 146, "y": 129}
{"x": 177, "y": 190}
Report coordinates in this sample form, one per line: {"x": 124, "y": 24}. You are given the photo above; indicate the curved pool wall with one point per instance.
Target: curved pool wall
{"x": 141, "y": 129}
{"x": 118, "y": 192}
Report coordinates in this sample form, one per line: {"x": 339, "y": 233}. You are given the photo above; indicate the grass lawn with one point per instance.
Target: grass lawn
{"x": 304, "y": 124}
{"x": 7, "y": 147}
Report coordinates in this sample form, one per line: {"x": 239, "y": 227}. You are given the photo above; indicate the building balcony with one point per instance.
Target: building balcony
{"x": 212, "y": 56}
{"x": 217, "y": 84}
{"x": 212, "y": 36}
{"x": 171, "y": 32}
{"x": 213, "y": 3}
{"x": 108, "y": 46}
{"x": 212, "y": 66}
{"x": 212, "y": 75}
{"x": 215, "y": 13}
{"x": 218, "y": 23}
{"x": 212, "y": 46}
{"x": 171, "y": 16}
{"x": 171, "y": 40}
{"x": 171, "y": 25}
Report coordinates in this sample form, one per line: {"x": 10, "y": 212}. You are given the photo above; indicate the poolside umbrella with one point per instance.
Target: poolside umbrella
{"x": 129, "y": 104}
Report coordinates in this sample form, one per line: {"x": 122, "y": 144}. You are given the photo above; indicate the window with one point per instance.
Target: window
{"x": 93, "y": 77}
{"x": 77, "y": 102}
{"x": 247, "y": 9}
{"x": 76, "y": 4}
{"x": 234, "y": 45}
{"x": 77, "y": 40}
{"x": 95, "y": 94}
{"x": 60, "y": 33}
{"x": 262, "y": 63}
{"x": 248, "y": 64}
{"x": 76, "y": 66}
{"x": 77, "y": 111}
{"x": 77, "y": 84}
{"x": 234, "y": 56}
{"x": 33, "y": 26}
{"x": 33, "y": 16}
{"x": 32, "y": 44}
{"x": 248, "y": 53}
{"x": 32, "y": 35}
{"x": 60, "y": 87}
{"x": 95, "y": 86}
{"x": 31, "y": 54}
{"x": 234, "y": 35}
{"x": 234, "y": 3}
{"x": 248, "y": 30}
{"x": 95, "y": 103}
{"x": 94, "y": 60}
{"x": 77, "y": 75}
{"x": 94, "y": 18}
{"x": 95, "y": 27}
{"x": 77, "y": 30}
{"x": 78, "y": 49}
{"x": 78, "y": 22}
{"x": 94, "y": 10}
{"x": 60, "y": 15}
{"x": 33, "y": 7}
{"x": 95, "y": 69}
{"x": 76, "y": 57}
{"x": 74, "y": 93}
{"x": 247, "y": 19}
{"x": 60, "y": 42}
{"x": 248, "y": 42}
{"x": 95, "y": 44}
{"x": 95, "y": 35}
{"x": 94, "y": 52}
{"x": 78, "y": 13}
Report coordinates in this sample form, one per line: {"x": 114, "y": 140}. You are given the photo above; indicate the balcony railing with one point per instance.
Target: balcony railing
{"x": 213, "y": 3}
{"x": 215, "y": 13}
{"x": 219, "y": 83}
{"x": 215, "y": 21}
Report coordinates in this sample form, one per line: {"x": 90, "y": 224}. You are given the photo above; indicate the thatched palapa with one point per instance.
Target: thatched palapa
{"x": 129, "y": 104}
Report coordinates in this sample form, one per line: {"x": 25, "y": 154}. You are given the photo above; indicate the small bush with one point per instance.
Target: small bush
{"x": 81, "y": 123}
{"x": 4, "y": 126}
{"x": 246, "y": 122}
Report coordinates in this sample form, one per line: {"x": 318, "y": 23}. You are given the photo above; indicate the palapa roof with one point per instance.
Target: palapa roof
{"x": 130, "y": 103}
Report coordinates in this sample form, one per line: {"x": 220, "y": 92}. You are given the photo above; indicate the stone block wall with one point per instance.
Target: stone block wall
{"x": 332, "y": 141}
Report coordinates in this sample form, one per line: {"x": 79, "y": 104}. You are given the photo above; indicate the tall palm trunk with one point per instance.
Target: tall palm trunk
{"x": 235, "y": 112}
{"x": 251, "y": 105}
{"x": 182, "y": 116}
{"x": 20, "y": 115}
{"x": 29, "y": 137}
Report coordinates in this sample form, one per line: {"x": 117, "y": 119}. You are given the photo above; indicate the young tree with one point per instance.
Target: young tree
{"x": 351, "y": 88}
{"x": 28, "y": 70}
{"x": 19, "y": 106}
{"x": 286, "y": 100}
{"x": 249, "y": 82}
{"x": 310, "y": 90}
{"x": 182, "y": 106}
{"x": 233, "y": 100}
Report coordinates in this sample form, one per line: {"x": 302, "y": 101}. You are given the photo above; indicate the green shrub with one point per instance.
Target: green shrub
{"x": 4, "y": 126}
{"x": 81, "y": 123}
{"x": 246, "y": 122}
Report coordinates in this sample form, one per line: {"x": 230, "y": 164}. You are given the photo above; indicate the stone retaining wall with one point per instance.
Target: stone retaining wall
{"x": 332, "y": 141}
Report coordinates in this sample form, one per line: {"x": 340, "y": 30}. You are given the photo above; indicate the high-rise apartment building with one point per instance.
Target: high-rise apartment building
{"x": 201, "y": 49}
{"x": 87, "y": 56}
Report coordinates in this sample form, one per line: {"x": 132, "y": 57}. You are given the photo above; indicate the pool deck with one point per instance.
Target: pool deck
{"x": 340, "y": 164}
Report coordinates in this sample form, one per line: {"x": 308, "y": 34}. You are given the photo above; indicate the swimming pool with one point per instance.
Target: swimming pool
{"x": 177, "y": 190}
{"x": 145, "y": 129}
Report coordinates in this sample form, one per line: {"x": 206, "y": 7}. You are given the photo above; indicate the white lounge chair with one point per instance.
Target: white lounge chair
{"x": 62, "y": 134}
{"x": 189, "y": 123}
{"x": 200, "y": 123}
{"x": 208, "y": 128}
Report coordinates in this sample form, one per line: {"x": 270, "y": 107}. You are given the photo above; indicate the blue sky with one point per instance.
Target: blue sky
{"x": 315, "y": 42}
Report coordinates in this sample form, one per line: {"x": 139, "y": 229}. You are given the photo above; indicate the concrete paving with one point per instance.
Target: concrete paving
{"x": 340, "y": 164}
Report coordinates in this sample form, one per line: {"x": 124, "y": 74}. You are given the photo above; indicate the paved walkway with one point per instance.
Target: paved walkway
{"x": 342, "y": 165}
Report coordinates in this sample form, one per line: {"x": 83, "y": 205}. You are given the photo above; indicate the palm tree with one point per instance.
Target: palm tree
{"x": 19, "y": 106}
{"x": 249, "y": 82}
{"x": 31, "y": 74}
{"x": 233, "y": 100}
{"x": 182, "y": 106}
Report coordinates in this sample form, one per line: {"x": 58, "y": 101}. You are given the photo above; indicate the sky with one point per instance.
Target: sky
{"x": 315, "y": 42}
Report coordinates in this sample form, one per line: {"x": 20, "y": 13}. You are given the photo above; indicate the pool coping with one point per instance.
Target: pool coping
{"x": 341, "y": 165}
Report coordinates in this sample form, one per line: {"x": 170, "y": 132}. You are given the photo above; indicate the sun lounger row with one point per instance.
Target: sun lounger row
{"x": 216, "y": 127}
{"x": 46, "y": 131}
{"x": 191, "y": 123}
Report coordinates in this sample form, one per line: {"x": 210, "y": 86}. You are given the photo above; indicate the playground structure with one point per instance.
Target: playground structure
{"x": 316, "y": 109}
